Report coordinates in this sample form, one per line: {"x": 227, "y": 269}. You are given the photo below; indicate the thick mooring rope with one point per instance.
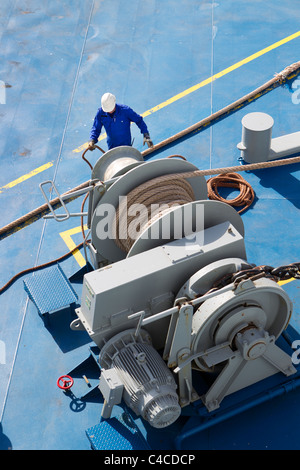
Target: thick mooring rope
{"x": 288, "y": 73}
{"x": 155, "y": 197}
{"x": 174, "y": 189}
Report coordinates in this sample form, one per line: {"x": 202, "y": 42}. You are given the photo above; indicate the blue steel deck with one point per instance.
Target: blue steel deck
{"x": 57, "y": 58}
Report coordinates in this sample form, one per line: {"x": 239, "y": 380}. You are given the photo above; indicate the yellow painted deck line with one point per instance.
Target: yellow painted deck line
{"x": 67, "y": 238}
{"x": 27, "y": 176}
{"x": 82, "y": 147}
{"x": 281, "y": 283}
{"x": 167, "y": 102}
{"x": 207, "y": 81}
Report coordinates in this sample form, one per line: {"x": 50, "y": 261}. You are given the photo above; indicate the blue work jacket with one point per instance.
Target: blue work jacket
{"x": 117, "y": 125}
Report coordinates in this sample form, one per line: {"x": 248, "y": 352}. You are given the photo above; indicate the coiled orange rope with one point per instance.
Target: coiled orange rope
{"x": 231, "y": 180}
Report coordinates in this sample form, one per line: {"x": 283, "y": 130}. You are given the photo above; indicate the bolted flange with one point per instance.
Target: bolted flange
{"x": 252, "y": 343}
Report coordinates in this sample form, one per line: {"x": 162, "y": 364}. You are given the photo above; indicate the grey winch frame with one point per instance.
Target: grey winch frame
{"x": 154, "y": 314}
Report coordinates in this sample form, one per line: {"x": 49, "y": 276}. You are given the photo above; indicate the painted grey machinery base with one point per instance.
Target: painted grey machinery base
{"x": 160, "y": 293}
{"x": 257, "y": 144}
{"x": 149, "y": 282}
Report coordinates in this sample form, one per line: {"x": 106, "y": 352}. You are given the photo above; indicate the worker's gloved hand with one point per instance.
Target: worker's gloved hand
{"x": 91, "y": 145}
{"x": 147, "y": 140}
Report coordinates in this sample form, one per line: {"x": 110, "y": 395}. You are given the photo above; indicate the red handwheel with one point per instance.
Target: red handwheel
{"x": 65, "y": 382}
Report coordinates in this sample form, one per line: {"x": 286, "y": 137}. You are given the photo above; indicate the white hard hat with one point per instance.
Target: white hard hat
{"x": 108, "y": 102}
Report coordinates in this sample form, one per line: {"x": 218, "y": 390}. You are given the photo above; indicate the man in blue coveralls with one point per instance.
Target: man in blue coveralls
{"x": 116, "y": 119}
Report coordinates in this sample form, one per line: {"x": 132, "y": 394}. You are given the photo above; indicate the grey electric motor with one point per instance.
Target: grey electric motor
{"x": 149, "y": 386}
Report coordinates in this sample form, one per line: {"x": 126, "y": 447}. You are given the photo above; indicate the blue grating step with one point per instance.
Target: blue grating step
{"x": 50, "y": 290}
{"x": 118, "y": 433}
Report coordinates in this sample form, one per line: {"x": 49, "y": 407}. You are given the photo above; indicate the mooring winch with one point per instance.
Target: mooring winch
{"x": 165, "y": 304}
